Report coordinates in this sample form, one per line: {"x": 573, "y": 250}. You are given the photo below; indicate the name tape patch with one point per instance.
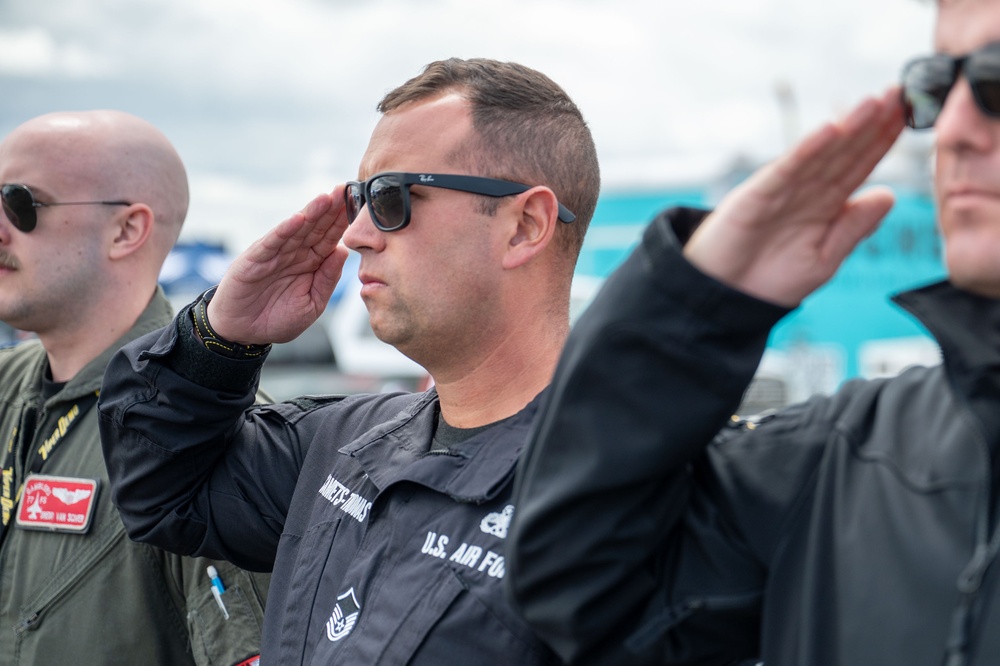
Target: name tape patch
{"x": 252, "y": 661}
{"x": 57, "y": 503}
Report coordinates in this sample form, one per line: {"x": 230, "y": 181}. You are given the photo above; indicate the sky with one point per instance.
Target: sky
{"x": 270, "y": 102}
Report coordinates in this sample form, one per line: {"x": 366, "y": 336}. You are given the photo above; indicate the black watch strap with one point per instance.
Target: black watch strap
{"x": 213, "y": 341}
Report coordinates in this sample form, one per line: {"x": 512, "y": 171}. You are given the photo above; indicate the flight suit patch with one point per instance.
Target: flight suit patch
{"x": 57, "y": 503}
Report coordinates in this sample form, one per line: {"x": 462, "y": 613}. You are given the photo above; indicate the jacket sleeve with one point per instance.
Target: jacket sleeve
{"x": 615, "y": 538}
{"x": 194, "y": 468}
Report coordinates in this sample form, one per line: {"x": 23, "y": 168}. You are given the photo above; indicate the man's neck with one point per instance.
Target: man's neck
{"x": 499, "y": 385}
{"x": 70, "y": 348}
{"x": 66, "y": 364}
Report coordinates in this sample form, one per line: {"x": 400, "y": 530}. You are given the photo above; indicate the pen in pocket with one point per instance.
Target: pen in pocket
{"x": 217, "y": 590}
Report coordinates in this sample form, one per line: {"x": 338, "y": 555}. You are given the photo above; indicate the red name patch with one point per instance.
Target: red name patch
{"x": 57, "y": 503}
{"x": 252, "y": 661}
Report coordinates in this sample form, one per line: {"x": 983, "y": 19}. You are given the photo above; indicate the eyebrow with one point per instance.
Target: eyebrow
{"x": 39, "y": 194}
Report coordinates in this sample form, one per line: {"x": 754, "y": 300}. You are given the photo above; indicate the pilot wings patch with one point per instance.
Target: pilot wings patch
{"x": 57, "y": 503}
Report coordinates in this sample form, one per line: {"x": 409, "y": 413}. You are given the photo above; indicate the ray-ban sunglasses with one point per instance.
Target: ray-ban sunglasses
{"x": 19, "y": 205}
{"x": 928, "y": 80}
{"x": 388, "y": 195}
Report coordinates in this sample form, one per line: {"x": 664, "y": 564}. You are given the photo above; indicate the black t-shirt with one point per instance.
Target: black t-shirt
{"x": 447, "y": 437}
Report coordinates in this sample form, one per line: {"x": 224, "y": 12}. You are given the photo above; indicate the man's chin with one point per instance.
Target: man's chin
{"x": 387, "y": 334}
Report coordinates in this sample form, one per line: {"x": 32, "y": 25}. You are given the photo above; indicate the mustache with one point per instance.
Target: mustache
{"x": 7, "y": 261}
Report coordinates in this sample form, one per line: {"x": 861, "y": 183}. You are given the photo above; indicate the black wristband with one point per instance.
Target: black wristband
{"x": 213, "y": 341}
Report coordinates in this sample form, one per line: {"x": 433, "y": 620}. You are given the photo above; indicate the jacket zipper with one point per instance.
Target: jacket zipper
{"x": 41, "y": 606}
{"x": 971, "y": 578}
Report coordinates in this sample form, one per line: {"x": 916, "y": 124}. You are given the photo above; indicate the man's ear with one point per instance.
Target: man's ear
{"x": 132, "y": 227}
{"x": 537, "y": 213}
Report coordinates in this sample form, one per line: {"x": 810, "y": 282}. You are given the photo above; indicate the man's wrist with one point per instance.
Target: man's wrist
{"x": 213, "y": 341}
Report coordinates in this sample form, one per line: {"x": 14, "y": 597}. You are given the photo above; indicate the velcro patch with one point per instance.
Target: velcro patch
{"x": 57, "y": 503}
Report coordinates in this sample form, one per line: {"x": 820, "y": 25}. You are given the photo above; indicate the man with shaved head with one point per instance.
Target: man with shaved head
{"x": 92, "y": 204}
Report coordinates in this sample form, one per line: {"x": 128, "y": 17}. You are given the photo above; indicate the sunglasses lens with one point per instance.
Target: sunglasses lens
{"x": 18, "y": 206}
{"x": 983, "y": 72}
{"x": 926, "y": 83}
{"x": 988, "y": 94}
{"x": 386, "y": 203}
{"x": 354, "y": 201}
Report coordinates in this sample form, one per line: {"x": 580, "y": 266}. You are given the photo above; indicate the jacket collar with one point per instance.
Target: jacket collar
{"x": 158, "y": 313}
{"x": 967, "y": 327}
{"x": 477, "y": 471}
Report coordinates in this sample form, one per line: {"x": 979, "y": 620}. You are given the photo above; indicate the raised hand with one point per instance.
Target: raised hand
{"x": 282, "y": 283}
{"x": 784, "y": 231}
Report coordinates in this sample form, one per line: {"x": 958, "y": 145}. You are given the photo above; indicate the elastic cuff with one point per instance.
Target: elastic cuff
{"x": 191, "y": 359}
{"x": 216, "y": 343}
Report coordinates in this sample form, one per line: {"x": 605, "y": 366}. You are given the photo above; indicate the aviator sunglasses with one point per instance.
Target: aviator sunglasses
{"x": 928, "y": 80}
{"x": 19, "y": 205}
{"x": 388, "y": 195}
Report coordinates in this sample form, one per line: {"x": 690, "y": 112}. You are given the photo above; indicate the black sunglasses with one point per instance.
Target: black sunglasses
{"x": 388, "y": 195}
{"x": 928, "y": 80}
{"x": 19, "y": 205}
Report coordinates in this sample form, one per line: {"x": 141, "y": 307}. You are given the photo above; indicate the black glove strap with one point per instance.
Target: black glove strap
{"x": 213, "y": 341}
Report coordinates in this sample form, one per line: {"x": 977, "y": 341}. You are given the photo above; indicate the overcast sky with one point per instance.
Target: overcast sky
{"x": 272, "y": 101}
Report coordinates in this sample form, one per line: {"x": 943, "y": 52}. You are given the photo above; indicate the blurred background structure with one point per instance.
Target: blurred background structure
{"x": 270, "y": 102}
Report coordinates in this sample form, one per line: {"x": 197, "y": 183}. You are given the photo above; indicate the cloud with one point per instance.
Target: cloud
{"x": 269, "y": 102}
{"x": 35, "y": 52}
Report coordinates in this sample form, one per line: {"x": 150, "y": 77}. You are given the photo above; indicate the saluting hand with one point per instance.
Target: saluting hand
{"x": 784, "y": 232}
{"x": 282, "y": 283}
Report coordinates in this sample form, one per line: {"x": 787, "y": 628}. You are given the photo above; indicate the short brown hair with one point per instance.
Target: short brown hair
{"x": 529, "y": 130}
